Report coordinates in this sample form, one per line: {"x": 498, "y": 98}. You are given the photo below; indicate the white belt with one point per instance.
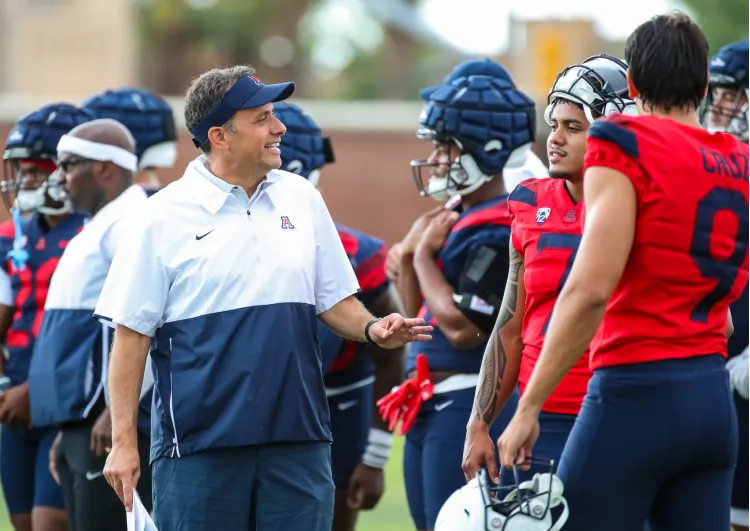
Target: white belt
{"x": 456, "y": 383}
{"x": 333, "y": 391}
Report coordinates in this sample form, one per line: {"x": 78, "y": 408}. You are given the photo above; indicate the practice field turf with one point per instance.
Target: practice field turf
{"x": 392, "y": 514}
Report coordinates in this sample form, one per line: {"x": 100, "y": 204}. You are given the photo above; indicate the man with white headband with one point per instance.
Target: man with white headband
{"x": 67, "y": 378}
{"x": 225, "y": 275}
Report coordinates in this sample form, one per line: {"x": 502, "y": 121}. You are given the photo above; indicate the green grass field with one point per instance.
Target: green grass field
{"x": 392, "y": 514}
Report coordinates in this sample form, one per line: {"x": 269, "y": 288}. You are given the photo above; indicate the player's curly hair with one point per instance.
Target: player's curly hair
{"x": 206, "y": 91}
{"x": 667, "y": 58}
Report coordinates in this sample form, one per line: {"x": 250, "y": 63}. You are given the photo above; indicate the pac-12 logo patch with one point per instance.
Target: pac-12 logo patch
{"x": 286, "y": 224}
{"x": 542, "y": 215}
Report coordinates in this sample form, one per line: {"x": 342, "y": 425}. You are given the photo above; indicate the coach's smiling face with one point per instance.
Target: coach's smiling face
{"x": 254, "y": 140}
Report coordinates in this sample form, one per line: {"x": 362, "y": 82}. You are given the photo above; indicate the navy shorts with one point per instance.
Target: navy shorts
{"x": 434, "y": 450}
{"x": 740, "y": 492}
{"x": 351, "y": 419}
{"x": 268, "y": 487}
{"x": 653, "y": 441}
{"x": 24, "y": 470}
{"x": 554, "y": 429}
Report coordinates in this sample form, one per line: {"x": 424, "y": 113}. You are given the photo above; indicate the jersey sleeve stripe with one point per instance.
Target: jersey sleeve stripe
{"x": 617, "y": 134}
{"x": 522, "y": 194}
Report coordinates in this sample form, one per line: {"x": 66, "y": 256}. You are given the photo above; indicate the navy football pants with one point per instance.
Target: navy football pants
{"x": 434, "y": 450}
{"x": 653, "y": 440}
{"x": 24, "y": 469}
{"x": 266, "y": 487}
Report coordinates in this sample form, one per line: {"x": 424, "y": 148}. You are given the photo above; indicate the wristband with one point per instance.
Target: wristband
{"x": 367, "y": 332}
{"x": 378, "y": 449}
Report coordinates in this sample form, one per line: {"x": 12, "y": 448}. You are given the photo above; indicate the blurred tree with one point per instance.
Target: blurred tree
{"x": 182, "y": 38}
{"x": 723, "y": 21}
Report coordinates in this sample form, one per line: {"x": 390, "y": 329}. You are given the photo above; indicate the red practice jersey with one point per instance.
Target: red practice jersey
{"x": 546, "y": 231}
{"x": 689, "y": 256}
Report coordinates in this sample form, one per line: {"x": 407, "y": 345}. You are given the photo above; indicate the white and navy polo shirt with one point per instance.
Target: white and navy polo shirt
{"x": 229, "y": 287}
{"x": 66, "y": 376}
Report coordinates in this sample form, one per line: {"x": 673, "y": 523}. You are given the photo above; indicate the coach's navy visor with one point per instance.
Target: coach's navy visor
{"x": 247, "y": 93}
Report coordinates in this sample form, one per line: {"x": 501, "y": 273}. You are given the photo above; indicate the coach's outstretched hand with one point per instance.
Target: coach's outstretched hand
{"x": 122, "y": 471}
{"x": 394, "y": 331}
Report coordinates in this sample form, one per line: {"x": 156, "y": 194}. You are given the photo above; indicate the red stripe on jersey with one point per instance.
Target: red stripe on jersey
{"x": 371, "y": 274}
{"x": 345, "y": 359}
{"x": 351, "y": 245}
{"x": 494, "y": 215}
{"x": 7, "y": 229}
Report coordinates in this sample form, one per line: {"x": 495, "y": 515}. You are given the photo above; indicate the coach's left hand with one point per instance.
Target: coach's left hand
{"x": 14, "y": 408}
{"x": 122, "y": 471}
{"x": 515, "y": 444}
{"x": 394, "y": 331}
{"x": 366, "y": 486}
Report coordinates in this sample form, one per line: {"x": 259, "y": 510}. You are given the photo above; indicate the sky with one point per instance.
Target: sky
{"x": 479, "y": 26}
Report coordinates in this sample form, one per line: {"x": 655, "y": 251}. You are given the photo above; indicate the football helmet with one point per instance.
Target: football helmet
{"x": 34, "y": 139}
{"x": 490, "y": 121}
{"x": 481, "y": 506}
{"x": 472, "y": 67}
{"x": 304, "y": 149}
{"x": 728, "y": 69}
{"x": 599, "y": 84}
{"x": 149, "y": 119}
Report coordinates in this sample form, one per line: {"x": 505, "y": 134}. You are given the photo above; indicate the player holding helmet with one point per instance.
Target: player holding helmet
{"x": 30, "y": 247}
{"x": 664, "y": 251}
{"x": 546, "y": 231}
{"x": 457, "y": 258}
{"x": 356, "y": 373}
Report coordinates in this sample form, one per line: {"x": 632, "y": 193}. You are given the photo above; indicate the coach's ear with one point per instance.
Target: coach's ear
{"x": 632, "y": 91}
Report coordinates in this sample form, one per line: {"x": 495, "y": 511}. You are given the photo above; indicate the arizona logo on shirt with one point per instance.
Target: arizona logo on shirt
{"x": 285, "y": 223}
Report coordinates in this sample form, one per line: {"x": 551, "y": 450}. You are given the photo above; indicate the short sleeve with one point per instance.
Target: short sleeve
{"x": 6, "y": 289}
{"x": 136, "y": 289}
{"x": 613, "y": 143}
{"x": 515, "y": 238}
{"x": 334, "y": 277}
{"x": 111, "y": 239}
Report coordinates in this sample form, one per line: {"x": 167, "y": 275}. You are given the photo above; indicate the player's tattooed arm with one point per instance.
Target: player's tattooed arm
{"x": 502, "y": 356}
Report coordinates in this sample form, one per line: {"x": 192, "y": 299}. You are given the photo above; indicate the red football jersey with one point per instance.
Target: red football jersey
{"x": 546, "y": 231}
{"x": 689, "y": 258}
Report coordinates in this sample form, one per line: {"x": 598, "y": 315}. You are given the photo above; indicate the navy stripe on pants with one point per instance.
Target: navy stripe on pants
{"x": 653, "y": 440}
{"x": 268, "y": 487}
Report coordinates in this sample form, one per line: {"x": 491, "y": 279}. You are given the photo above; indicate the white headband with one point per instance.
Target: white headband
{"x": 97, "y": 151}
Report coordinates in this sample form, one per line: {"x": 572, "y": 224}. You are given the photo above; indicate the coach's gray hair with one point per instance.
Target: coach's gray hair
{"x": 206, "y": 91}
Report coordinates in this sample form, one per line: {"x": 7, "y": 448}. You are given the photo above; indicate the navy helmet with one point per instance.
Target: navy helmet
{"x": 598, "y": 84}
{"x": 149, "y": 119}
{"x": 34, "y": 140}
{"x": 304, "y": 149}
{"x": 490, "y": 121}
{"x": 472, "y": 67}
{"x": 725, "y": 108}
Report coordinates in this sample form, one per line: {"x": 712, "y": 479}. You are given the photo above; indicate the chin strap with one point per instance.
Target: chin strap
{"x": 18, "y": 255}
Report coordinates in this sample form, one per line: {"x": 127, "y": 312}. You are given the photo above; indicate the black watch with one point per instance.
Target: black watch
{"x": 367, "y": 332}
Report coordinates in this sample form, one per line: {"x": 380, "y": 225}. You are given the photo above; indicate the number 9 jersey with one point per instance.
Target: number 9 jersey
{"x": 689, "y": 259}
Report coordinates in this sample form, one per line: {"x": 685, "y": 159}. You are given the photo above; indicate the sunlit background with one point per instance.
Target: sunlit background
{"x": 358, "y": 65}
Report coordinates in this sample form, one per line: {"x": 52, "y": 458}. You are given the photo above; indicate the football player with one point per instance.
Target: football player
{"x": 545, "y": 233}
{"x": 356, "y": 373}
{"x": 30, "y": 247}
{"x": 150, "y": 120}
{"x": 523, "y": 165}
{"x": 664, "y": 252}
{"x": 726, "y": 109}
{"x": 452, "y": 272}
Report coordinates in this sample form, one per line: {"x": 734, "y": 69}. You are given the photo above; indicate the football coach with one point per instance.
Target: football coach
{"x": 223, "y": 275}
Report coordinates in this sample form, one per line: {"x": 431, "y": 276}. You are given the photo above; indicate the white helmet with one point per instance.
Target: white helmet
{"x": 599, "y": 84}
{"x": 476, "y": 506}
